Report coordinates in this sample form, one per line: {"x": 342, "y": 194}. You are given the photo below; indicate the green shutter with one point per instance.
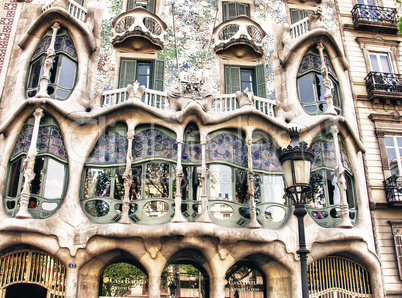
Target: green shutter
{"x": 158, "y": 74}
{"x": 260, "y": 83}
{"x": 127, "y": 72}
{"x": 243, "y": 9}
{"x": 130, "y": 5}
{"x": 232, "y": 79}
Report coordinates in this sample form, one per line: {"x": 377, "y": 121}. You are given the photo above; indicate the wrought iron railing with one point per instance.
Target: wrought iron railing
{"x": 361, "y": 12}
{"x": 300, "y": 28}
{"x": 393, "y": 189}
{"x": 381, "y": 81}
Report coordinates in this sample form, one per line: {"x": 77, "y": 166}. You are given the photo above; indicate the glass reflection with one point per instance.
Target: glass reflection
{"x": 157, "y": 180}
{"x": 54, "y": 179}
{"x": 221, "y": 182}
{"x": 97, "y": 208}
{"x": 274, "y": 189}
{"x": 275, "y": 214}
{"x": 97, "y": 183}
{"x": 156, "y": 208}
{"x": 221, "y": 211}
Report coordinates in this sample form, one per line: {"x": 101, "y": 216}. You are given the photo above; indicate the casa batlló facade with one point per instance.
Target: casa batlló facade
{"x": 146, "y": 134}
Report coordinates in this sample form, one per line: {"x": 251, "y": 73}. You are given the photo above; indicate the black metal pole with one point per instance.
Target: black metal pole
{"x": 300, "y": 212}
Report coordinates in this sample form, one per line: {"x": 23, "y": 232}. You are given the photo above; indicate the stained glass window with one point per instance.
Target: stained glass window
{"x": 227, "y": 147}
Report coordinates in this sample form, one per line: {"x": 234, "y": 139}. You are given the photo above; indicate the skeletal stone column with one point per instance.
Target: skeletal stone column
{"x": 204, "y": 201}
{"x": 253, "y": 223}
{"x": 327, "y": 82}
{"x": 341, "y": 182}
{"x": 45, "y": 79}
{"x": 128, "y": 179}
{"x": 178, "y": 217}
{"x": 29, "y": 163}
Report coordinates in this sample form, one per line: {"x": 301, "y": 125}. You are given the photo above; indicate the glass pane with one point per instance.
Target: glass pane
{"x": 67, "y": 73}
{"x": 156, "y": 208}
{"x": 14, "y": 178}
{"x": 241, "y": 186}
{"x": 275, "y": 214}
{"x": 34, "y": 75}
{"x": 389, "y": 141}
{"x": 144, "y": 71}
{"x": 317, "y": 188}
{"x": 319, "y": 87}
{"x": 49, "y": 206}
{"x": 157, "y": 180}
{"x": 97, "y": 208}
{"x": 274, "y": 189}
{"x": 306, "y": 90}
{"x": 38, "y": 171}
{"x": 374, "y": 63}
{"x": 385, "y": 64}
{"x": 63, "y": 94}
{"x": 97, "y": 183}
{"x": 222, "y": 211}
{"x": 135, "y": 189}
{"x": 349, "y": 191}
{"x": 54, "y": 179}
{"x": 53, "y": 70}
{"x": 391, "y": 156}
{"x": 243, "y": 9}
{"x": 334, "y": 194}
{"x": 119, "y": 184}
{"x": 221, "y": 182}
{"x": 399, "y": 141}
{"x": 246, "y": 80}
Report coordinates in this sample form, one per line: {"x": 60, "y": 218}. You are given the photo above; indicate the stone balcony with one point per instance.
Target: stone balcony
{"x": 385, "y": 87}
{"x": 393, "y": 191}
{"x": 239, "y": 38}
{"x": 138, "y": 30}
{"x": 76, "y": 10}
{"x": 375, "y": 18}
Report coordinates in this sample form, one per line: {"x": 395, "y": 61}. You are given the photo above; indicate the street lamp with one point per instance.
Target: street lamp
{"x": 296, "y": 163}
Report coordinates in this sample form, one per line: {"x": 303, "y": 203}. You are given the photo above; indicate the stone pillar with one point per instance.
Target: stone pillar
{"x": 128, "y": 179}
{"x": 327, "y": 82}
{"x": 341, "y": 181}
{"x": 253, "y": 223}
{"x": 217, "y": 289}
{"x": 178, "y": 217}
{"x": 71, "y": 283}
{"x": 29, "y": 163}
{"x": 204, "y": 217}
{"x": 44, "y": 80}
{"x": 154, "y": 285}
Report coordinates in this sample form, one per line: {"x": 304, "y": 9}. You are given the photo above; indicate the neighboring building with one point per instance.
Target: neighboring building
{"x": 372, "y": 45}
{"x": 116, "y": 152}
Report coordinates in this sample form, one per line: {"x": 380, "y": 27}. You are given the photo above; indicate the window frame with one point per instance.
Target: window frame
{"x": 258, "y": 83}
{"x": 150, "y": 6}
{"x": 59, "y": 56}
{"x": 226, "y": 10}
{"x": 378, "y": 56}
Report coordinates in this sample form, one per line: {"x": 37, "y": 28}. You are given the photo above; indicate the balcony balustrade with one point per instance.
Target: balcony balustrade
{"x": 239, "y": 31}
{"x": 159, "y": 100}
{"x": 139, "y": 22}
{"x": 393, "y": 190}
{"x": 382, "y": 19}
{"x": 300, "y": 28}
{"x": 76, "y": 10}
{"x": 380, "y": 85}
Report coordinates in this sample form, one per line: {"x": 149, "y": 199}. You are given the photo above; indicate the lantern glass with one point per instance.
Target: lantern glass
{"x": 301, "y": 169}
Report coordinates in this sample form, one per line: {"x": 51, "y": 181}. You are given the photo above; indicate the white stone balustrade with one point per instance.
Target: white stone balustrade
{"x": 300, "y": 28}
{"x": 139, "y": 19}
{"x": 240, "y": 27}
{"x": 75, "y": 9}
{"x": 159, "y": 100}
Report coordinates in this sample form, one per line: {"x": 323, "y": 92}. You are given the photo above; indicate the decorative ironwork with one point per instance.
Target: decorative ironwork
{"x": 33, "y": 267}
{"x": 335, "y": 276}
{"x": 228, "y": 31}
{"x": 381, "y": 81}
{"x": 393, "y": 189}
{"x": 361, "y": 12}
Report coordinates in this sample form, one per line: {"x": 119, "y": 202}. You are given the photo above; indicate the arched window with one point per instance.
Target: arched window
{"x": 310, "y": 84}
{"x": 63, "y": 72}
{"x": 50, "y": 169}
{"x": 154, "y": 154}
{"x": 325, "y": 191}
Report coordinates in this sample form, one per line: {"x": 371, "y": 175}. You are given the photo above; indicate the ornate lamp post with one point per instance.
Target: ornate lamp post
{"x": 296, "y": 162}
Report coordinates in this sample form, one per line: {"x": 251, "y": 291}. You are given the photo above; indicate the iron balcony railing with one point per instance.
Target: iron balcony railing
{"x": 393, "y": 189}
{"x": 362, "y": 12}
{"x": 381, "y": 81}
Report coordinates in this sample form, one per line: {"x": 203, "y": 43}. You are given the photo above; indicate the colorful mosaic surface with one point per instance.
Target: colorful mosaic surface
{"x": 49, "y": 141}
{"x": 8, "y": 11}
{"x": 191, "y": 152}
{"x": 265, "y": 157}
{"x": 324, "y": 155}
{"x": 154, "y": 144}
{"x": 227, "y": 147}
{"x": 111, "y": 148}
{"x": 313, "y": 62}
